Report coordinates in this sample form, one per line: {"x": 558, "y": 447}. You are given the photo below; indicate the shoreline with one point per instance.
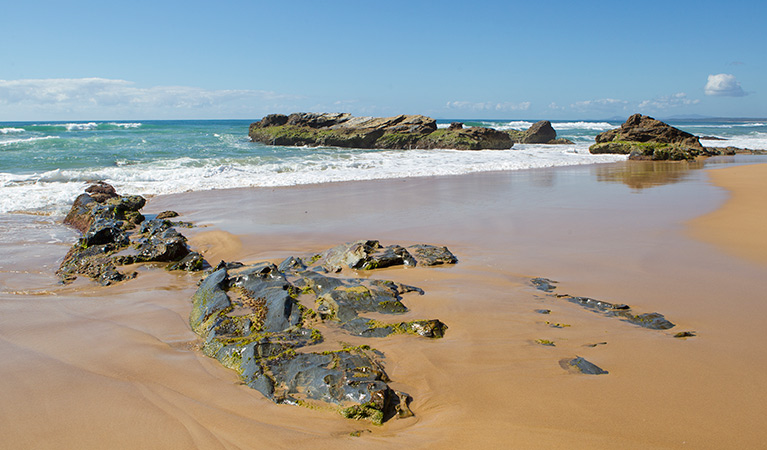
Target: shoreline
{"x": 612, "y": 232}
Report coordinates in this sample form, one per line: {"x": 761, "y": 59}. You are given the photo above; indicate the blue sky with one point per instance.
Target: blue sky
{"x": 97, "y": 60}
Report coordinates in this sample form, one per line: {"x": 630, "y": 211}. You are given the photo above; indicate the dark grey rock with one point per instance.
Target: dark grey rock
{"x": 624, "y": 312}
{"x": 164, "y": 246}
{"x": 581, "y": 365}
{"x": 166, "y": 215}
{"x": 655, "y": 321}
{"x": 192, "y": 262}
{"x": 540, "y": 133}
{"x": 108, "y": 224}
{"x": 544, "y": 284}
{"x": 250, "y": 319}
{"x": 431, "y": 255}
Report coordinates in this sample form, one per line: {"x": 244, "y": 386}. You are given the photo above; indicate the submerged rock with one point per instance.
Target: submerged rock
{"x": 251, "y": 320}
{"x": 655, "y": 321}
{"x": 544, "y": 284}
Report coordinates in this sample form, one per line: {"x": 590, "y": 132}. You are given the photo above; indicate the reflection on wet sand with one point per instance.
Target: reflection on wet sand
{"x": 644, "y": 174}
{"x": 640, "y": 175}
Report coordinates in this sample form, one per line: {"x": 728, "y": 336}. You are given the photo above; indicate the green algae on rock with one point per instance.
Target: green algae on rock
{"x": 251, "y": 319}
{"x": 107, "y": 222}
{"x": 397, "y": 132}
{"x": 644, "y": 137}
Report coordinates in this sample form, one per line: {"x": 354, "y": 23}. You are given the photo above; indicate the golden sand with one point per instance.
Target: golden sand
{"x": 740, "y": 226}
{"x": 118, "y": 367}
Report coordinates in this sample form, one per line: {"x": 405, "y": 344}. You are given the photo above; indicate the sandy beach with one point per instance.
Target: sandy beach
{"x": 118, "y": 367}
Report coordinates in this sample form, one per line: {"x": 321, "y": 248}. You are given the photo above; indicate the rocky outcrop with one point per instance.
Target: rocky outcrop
{"x": 643, "y": 137}
{"x": 540, "y": 132}
{"x": 255, "y": 318}
{"x": 398, "y": 132}
{"x": 108, "y": 223}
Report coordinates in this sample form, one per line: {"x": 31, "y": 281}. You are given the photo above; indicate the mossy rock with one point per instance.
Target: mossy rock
{"x": 655, "y": 151}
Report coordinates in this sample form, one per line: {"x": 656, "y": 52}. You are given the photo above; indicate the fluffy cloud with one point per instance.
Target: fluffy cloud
{"x": 668, "y": 101}
{"x": 724, "y": 85}
{"x": 489, "y": 106}
{"x": 100, "y": 97}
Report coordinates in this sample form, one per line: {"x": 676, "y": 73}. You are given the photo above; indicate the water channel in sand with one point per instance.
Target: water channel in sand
{"x": 92, "y": 367}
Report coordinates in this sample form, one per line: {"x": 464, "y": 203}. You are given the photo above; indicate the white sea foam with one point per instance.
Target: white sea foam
{"x": 591, "y": 126}
{"x": 753, "y": 141}
{"x": 126, "y": 125}
{"x": 729, "y": 125}
{"x": 80, "y": 126}
{"x": 52, "y": 191}
{"x": 513, "y": 125}
{"x": 10, "y": 130}
{"x": 5, "y": 142}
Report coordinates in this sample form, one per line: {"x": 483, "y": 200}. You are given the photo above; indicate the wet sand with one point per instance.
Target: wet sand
{"x": 118, "y": 367}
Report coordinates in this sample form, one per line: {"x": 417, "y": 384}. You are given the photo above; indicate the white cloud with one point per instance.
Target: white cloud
{"x": 724, "y": 85}
{"x": 668, "y": 101}
{"x": 602, "y": 104}
{"x": 489, "y": 106}
{"x": 73, "y": 98}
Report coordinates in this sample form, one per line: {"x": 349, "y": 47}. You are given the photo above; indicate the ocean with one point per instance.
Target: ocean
{"x": 45, "y": 165}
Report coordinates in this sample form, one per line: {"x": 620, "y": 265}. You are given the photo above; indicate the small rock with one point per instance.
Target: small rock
{"x": 167, "y": 215}
{"x": 685, "y": 334}
{"x": 581, "y": 365}
{"x": 543, "y": 284}
{"x": 192, "y": 262}
{"x": 431, "y": 255}
{"x": 540, "y": 133}
{"x": 101, "y": 191}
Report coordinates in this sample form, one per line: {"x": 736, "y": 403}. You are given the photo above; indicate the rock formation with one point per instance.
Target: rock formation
{"x": 257, "y": 320}
{"x": 643, "y": 137}
{"x": 540, "y": 132}
{"x": 398, "y": 132}
{"x": 108, "y": 223}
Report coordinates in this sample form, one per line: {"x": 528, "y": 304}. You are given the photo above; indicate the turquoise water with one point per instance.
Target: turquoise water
{"x": 44, "y": 166}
